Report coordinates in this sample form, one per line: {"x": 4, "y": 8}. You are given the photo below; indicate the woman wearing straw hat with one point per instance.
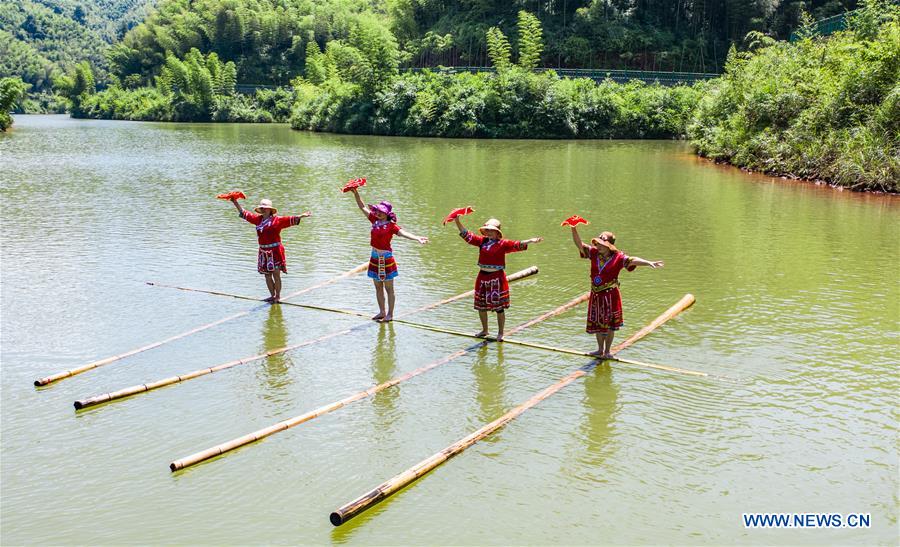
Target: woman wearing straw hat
{"x": 605, "y": 305}
{"x": 271, "y": 260}
{"x": 382, "y": 266}
{"x": 491, "y": 286}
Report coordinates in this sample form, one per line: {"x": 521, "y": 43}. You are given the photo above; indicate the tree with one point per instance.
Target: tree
{"x": 76, "y": 87}
{"x": 531, "y": 42}
{"x": 11, "y": 90}
{"x": 498, "y": 48}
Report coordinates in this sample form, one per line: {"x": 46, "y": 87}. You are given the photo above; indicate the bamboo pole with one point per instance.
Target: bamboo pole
{"x": 362, "y": 267}
{"x": 95, "y": 364}
{"x": 513, "y": 277}
{"x": 326, "y": 409}
{"x": 389, "y": 487}
{"x": 141, "y": 388}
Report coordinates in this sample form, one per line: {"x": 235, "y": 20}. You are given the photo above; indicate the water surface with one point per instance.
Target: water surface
{"x": 796, "y": 320}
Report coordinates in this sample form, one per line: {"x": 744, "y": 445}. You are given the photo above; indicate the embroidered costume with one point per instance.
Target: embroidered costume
{"x": 491, "y": 285}
{"x": 382, "y": 266}
{"x": 605, "y": 304}
{"x": 268, "y": 232}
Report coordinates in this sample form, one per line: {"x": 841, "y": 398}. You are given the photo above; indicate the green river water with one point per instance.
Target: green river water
{"x": 797, "y": 321}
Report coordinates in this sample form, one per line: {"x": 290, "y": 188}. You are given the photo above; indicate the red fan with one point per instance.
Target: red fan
{"x": 458, "y": 213}
{"x": 574, "y": 220}
{"x": 232, "y": 195}
{"x": 354, "y": 183}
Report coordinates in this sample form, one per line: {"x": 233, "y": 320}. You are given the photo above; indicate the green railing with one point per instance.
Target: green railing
{"x": 598, "y": 75}
{"x": 620, "y": 76}
{"x": 824, "y": 27}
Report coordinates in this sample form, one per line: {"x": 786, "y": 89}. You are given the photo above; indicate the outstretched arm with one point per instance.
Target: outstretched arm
{"x": 576, "y": 237}
{"x": 635, "y": 261}
{"x": 532, "y": 240}
{"x": 407, "y": 235}
{"x": 359, "y": 202}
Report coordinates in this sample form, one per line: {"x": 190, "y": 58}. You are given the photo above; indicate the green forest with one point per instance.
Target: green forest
{"x": 819, "y": 107}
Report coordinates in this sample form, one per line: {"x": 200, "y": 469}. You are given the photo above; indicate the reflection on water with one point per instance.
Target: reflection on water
{"x": 384, "y": 367}
{"x": 275, "y": 335}
{"x": 598, "y": 423}
{"x": 489, "y": 370}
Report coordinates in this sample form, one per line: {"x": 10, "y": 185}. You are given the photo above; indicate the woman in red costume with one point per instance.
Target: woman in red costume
{"x": 491, "y": 286}
{"x": 605, "y": 305}
{"x": 382, "y": 266}
{"x": 271, "y": 260}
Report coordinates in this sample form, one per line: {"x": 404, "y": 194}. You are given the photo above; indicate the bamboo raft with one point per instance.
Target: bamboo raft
{"x": 142, "y": 388}
{"x": 398, "y": 482}
{"x": 331, "y": 407}
{"x": 102, "y": 362}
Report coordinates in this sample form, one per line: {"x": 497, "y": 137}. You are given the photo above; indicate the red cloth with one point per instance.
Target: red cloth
{"x": 268, "y": 231}
{"x": 354, "y": 183}
{"x": 491, "y": 291}
{"x": 382, "y": 233}
{"x": 605, "y": 304}
{"x": 457, "y": 213}
{"x": 574, "y": 220}
{"x": 232, "y": 195}
{"x": 492, "y": 252}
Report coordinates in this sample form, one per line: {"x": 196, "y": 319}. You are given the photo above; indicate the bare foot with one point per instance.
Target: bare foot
{"x": 608, "y": 355}
{"x": 387, "y": 318}
{"x": 499, "y": 337}
{"x": 378, "y": 317}
{"x": 269, "y": 300}
{"x": 598, "y": 353}
{"x": 481, "y": 334}
{"x": 276, "y": 299}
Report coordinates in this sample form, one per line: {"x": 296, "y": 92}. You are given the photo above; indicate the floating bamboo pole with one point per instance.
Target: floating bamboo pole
{"x": 513, "y": 277}
{"x": 326, "y": 409}
{"x": 94, "y": 364}
{"x": 362, "y": 267}
{"x": 141, "y": 388}
{"x": 386, "y": 489}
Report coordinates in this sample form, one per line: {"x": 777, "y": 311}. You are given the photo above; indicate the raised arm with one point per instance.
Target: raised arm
{"x": 635, "y": 261}
{"x": 576, "y": 237}
{"x": 407, "y": 235}
{"x": 359, "y": 203}
{"x": 459, "y": 224}
{"x": 237, "y": 206}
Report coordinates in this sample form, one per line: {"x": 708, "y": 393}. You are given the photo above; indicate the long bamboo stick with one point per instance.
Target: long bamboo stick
{"x": 141, "y": 388}
{"x": 686, "y": 301}
{"x": 513, "y": 277}
{"x": 389, "y": 487}
{"x": 362, "y": 267}
{"x": 326, "y": 409}
{"x": 95, "y": 364}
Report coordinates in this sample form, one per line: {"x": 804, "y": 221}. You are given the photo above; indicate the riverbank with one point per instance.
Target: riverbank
{"x": 822, "y": 109}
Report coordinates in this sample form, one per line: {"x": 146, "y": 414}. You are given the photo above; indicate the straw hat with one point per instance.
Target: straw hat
{"x": 491, "y": 224}
{"x": 265, "y": 204}
{"x": 607, "y": 239}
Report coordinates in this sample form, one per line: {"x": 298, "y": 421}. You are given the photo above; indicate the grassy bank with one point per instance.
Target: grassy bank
{"x": 819, "y": 108}
{"x": 513, "y": 103}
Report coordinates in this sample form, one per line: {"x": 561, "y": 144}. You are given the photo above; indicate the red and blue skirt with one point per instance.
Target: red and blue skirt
{"x": 491, "y": 291}
{"x": 271, "y": 258}
{"x": 604, "y": 310}
{"x": 382, "y": 267}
